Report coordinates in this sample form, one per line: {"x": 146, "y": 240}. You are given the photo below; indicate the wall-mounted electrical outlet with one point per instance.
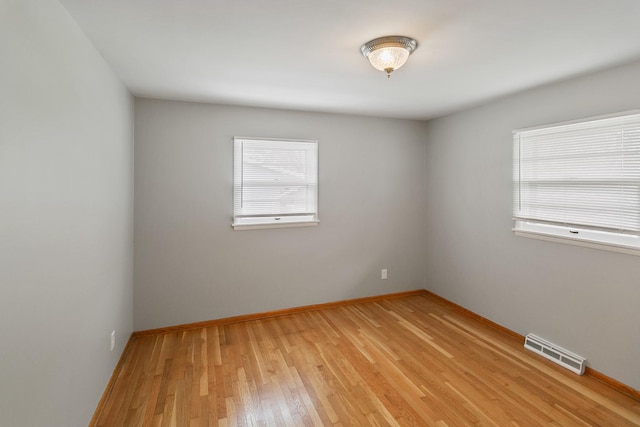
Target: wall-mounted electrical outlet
{"x": 383, "y": 274}
{"x": 113, "y": 340}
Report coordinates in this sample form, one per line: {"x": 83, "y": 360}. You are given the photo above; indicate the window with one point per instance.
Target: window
{"x": 275, "y": 183}
{"x": 579, "y": 182}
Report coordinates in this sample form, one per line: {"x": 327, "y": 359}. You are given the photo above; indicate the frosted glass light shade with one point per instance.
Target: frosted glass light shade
{"x": 388, "y": 58}
{"x": 388, "y": 53}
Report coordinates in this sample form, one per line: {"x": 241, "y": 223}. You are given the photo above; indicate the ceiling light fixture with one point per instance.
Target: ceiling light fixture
{"x": 389, "y": 53}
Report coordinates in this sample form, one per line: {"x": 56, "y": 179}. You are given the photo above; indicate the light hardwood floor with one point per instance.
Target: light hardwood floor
{"x": 405, "y": 361}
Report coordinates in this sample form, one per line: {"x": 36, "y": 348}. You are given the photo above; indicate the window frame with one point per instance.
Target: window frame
{"x": 265, "y": 220}
{"x": 592, "y": 237}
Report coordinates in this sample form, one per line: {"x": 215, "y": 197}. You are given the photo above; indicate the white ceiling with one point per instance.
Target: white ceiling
{"x": 304, "y": 54}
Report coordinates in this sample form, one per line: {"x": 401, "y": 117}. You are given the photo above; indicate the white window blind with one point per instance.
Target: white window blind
{"x": 580, "y": 176}
{"x": 275, "y": 183}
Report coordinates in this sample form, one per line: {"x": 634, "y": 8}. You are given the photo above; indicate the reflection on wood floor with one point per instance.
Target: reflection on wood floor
{"x": 409, "y": 361}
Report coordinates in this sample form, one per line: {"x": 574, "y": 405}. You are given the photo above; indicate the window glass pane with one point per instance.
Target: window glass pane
{"x": 275, "y": 179}
{"x": 582, "y": 174}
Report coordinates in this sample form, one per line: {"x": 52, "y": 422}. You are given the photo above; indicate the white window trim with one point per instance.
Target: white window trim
{"x": 522, "y": 230}
{"x": 242, "y": 227}
{"x": 602, "y": 240}
{"x": 239, "y": 224}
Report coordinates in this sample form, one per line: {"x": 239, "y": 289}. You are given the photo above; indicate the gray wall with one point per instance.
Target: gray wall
{"x": 190, "y": 265}
{"x": 65, "y": 218}
{"x": 585, "y": 300}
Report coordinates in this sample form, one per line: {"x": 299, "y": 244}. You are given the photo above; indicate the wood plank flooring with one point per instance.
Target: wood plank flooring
{"x": 409, "y": 361}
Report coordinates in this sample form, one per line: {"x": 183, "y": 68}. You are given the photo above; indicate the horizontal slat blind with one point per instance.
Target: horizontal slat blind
{"x": 275, "y": 178}
{"x": 583, "y": 174}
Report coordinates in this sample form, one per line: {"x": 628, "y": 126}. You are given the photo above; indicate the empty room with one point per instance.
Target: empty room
{"x": 297, "y": 213}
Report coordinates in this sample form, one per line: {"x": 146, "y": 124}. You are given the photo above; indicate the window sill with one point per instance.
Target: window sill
{"x": 629, "y": 250}
{"x": 242, "y": 227}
